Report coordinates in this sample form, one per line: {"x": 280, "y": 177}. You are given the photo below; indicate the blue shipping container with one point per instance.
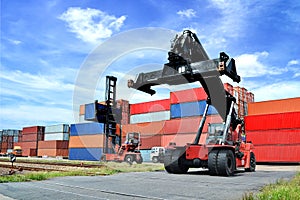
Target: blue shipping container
{"x": 146, "y": 155}
{"x": 190, "y": 109}
{"x": 90, "y": 111}
{"x": 91, "y": 154}
{"x": 86, "y": 129}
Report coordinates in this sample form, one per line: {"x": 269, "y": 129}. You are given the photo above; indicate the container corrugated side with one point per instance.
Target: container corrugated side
{"x": 181, "y": 139}
{"x": 189, "y": 95}
{"x": 152, "y": 106}
{"x": 86, "y": 129}
{"x": 54, "y": 144}
{"x": 190, "y": 109}
{"x": 274, "y": 106}
{"x": 277, "y": 153}
{"x": 150, "y": 117}
{"x": 53, "y": 152}
{"x": 281, "y": 136}
{"x": 273, "y": 121}
{"x": 147, "y": 142}
{"x": 59, "y": 128}
{"x": 86, "y": 141}
{"x": 56, "y": 136}
{"x": 33, "y": 129}
{"x": 91, "y": 154}
{"x": 189, "y": 124}
{"x": 150, "y": 128}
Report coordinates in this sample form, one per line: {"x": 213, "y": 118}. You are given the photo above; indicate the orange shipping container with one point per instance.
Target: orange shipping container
{"x": 53, "y": 152}
{"x": 149, "y": 128}
{"x": 274, "y": 106}
{"x": 29, "y": 152}
{"x": 86, "y": 141}
{"x": 180, "y": 139}
{"x": 150, "y": 141}
{"x": 53, "y": 144}
{"x": 81, "y": 109}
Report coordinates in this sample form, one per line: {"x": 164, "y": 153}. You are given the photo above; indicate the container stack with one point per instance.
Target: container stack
{"x": 30, "y": 138}
{"x": 243, "y": 97}
{"x": 150, "y": 111}
{"x": 86, "y": 141}
{"x": 274, "y": 129}
{"x": 124, "y": 106}
{"x": 56, "y": 141}
{"x": 8, "y": 137}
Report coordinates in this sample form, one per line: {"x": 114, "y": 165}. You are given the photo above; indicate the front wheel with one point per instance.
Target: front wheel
{"x": 129, "y": 159}
{"x": 226, "y": 162}
{"x": 252, "y": 163}
{"x": 155, "y": 159}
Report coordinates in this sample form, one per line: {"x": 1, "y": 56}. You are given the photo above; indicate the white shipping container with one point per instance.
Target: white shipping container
{"x": 56, "y": 136}
{"x": 150, "y": 117}
{"x": 60, "y": 128}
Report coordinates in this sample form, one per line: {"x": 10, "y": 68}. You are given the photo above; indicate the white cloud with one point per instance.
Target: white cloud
{"x": 189, "y": 13}
{"x": 15, "y": 42}
{"x": 279, "y": 90}
{"x": 293, "y": 62}
{"x": 250, "y": 65}
{"x": 91, "y": 25}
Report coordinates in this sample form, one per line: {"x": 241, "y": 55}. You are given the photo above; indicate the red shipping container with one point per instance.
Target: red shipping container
{"x": 29, "y": 152}
{"x": 195, "y": 94}
{"x": 189, "y": 125}
{"x": 4, "y": 145}
{"x": 28, "y": 145}
{"x": 30, "y": 137}
{"x": 272, "y": 121}
{"x": 284, "y": 136}
{"x": 150, "y": 128}
{"x": 150, "y": 141}
{"x": 152, "y": 106}
{"x": 277, "y": 153}
{"x": 33, "y": 129}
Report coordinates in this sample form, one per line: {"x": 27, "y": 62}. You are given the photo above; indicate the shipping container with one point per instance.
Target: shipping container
{"x": 274, "y": 106}
{"x": 82, "y": 109}
{"x": 149, "y": 141}
{"x": 146, "y": 155}
{"x": 180, "y": 139}
{"x": 53, "y": 152}
{"x": 29, "y": 152}
{"x": 91, "y": 154}
{"x": 189, "y": 95}
{"x": 56, "y": 136}
{"x": 30, "y": 137}
{"x": 272, "y": 121}
{"x": 150, "y": 117}
{"x": 86, "y": 141}
{"x": 86, "y": 129}
{"x": 54, "y": 144}
{"x": 190, "y": 109}
{"x": 33, "y": 129}
{"x": 274, "y": 137}
{"x": 189, "y": 124}
{"x": 151, "y": 106}
{"x": 148, "y": 128}
{"x": 277, "y": 153}
{"x": 60, "y": 128}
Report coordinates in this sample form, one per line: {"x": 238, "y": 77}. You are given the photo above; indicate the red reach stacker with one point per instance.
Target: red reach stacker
{"x": 224, "y": 151}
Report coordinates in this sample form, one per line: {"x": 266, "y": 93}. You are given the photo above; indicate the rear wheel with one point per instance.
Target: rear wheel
{"x": 155, "y": 159}
{"x": 212, "y": 162}
{"x": 139, "y": 161}
{"x": 252, "y": 163}
{"x": 128, "y": 158}
{"x": 225, "y": 162}
{"x": 174, "y": 162}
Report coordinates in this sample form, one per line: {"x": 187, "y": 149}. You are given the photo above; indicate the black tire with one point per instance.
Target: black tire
{"x": 226, "y": 162}
{"x": 252, "y": 163}
{"x": 155, "y": 159}
{"x": 129, "y": 159}
{"x": 139, "y": 161}
{"x": 212, "y": 162}
{"x": 174, "y": 162}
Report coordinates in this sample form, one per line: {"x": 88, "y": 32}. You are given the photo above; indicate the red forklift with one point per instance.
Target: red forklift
{"x": 109, "y": 114}
{"x": 224, "y": 151}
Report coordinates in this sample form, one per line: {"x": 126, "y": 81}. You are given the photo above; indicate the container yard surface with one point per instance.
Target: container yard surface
{"x": 149, "y": 185}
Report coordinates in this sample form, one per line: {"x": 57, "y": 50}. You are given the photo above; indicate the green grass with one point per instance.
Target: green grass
{"x": 108, "y": 168}
{"x": 282, "y": 190}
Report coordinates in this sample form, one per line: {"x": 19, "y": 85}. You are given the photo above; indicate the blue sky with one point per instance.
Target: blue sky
{"x": 45, "y": 44}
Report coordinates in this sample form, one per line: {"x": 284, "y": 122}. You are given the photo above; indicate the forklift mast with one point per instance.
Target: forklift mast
{"x": 110, "y": 114}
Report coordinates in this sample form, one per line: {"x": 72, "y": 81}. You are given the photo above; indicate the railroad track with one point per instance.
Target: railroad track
{"x": 27, "y": 168}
